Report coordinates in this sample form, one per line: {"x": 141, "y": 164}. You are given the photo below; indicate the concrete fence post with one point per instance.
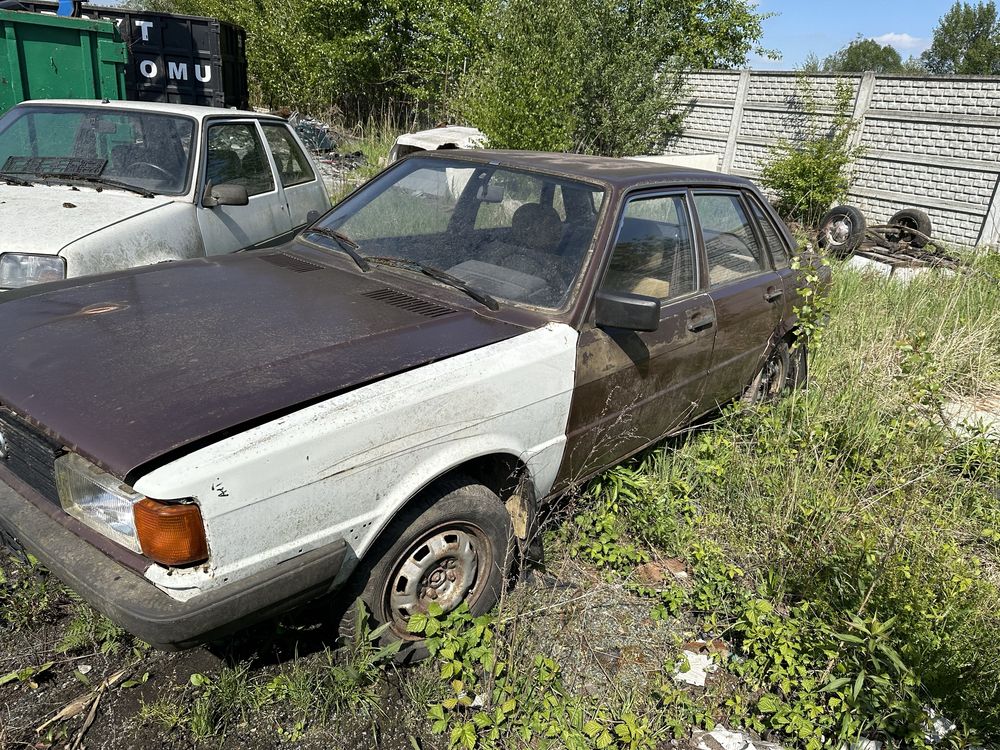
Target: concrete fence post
{"x": 736, "y": 121}
{"x": 866, "y": 87}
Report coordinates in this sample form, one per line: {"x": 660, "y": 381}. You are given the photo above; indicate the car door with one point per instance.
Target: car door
{"x": 235, "y": 155}
{"x": 780, "y": 251}
{"x": 635, "y": 387}
{"x": 747, "y": 293}
{"x": 304, "y": 190}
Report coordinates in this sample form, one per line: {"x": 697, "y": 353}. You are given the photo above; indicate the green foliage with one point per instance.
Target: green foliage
{"x": 596, "y": 76}
{"x": 811, "y": 173}
{"x": 349, "y": 681}
{"x": 27, "y": 594}
{"x": 358, "y": 59}
{"x": 862, "y": 55}
{"x": 89, "y": 629}
{"x": 966, "y": 41}
{"x": 499, "y": 700}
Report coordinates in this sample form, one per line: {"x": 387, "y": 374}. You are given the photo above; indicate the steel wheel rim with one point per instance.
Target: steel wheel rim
{"x": 773, "y": 378}
{"x": 448, "y": 565}
{"x": 838, "y": 231}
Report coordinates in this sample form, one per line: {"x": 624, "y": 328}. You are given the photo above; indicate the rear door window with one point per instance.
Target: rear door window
{"x": 731, "y": 246}
{"x": 293, "y": 166}
{"x": 772, "y": 237}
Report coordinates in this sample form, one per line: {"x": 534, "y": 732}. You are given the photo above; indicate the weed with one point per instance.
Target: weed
{"x": 27, "y": 594}
{"x": 89, "y": 629}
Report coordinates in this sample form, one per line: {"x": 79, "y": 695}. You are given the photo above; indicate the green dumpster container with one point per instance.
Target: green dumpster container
{"x": 53, "y": 57}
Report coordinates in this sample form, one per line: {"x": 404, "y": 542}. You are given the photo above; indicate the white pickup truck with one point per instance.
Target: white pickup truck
{"x": 94, "y": 186}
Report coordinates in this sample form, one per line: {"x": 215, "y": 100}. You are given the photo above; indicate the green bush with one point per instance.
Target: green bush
{"x": 811, "y": 173}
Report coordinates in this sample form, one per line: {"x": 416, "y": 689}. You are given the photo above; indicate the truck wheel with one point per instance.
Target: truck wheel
{"x": 773, "y": 378}
{"x": 842, "y": 230}
{"x": 910, "y": 219}
{"x": 454, "y": 544}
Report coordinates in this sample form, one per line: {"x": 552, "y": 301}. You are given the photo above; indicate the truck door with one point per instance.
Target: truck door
{"x": 235, "y": 154}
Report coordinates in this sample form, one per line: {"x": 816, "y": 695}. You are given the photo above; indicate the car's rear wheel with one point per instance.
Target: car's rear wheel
{"x": 773, "y": 378}
{"x": 454, "y": 544}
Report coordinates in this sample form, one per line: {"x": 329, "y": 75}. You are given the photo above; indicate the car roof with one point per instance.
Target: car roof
{"x": 189, "y": 110}
{"x": 620, "y": 172}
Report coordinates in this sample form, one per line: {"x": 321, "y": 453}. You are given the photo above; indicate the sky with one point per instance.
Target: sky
{"x": 823, "y": 27}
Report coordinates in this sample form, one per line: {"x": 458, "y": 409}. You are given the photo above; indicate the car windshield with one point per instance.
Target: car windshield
{"x": 148, "y": 152}
{"x": 514, "y": 235}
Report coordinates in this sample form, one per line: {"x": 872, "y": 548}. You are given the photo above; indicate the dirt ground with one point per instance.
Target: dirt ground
{"x": 602, "y": 636}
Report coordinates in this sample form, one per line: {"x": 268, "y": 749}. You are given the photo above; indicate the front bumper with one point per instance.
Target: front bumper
{"x": 135, "y": 603}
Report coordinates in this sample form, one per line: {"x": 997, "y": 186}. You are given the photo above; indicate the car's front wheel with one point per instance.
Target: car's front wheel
{"x": 453, "y": 544}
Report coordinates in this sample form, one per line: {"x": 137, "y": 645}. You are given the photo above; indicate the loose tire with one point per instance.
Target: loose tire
{"x": 842, "y": 230}
{"x": 455, "y": 543}
{"x": 911, "y": 219}
{"x": 773, "y": 378}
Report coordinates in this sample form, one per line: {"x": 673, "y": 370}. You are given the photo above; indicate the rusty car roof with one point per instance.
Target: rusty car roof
{"x": 620, "y": 172}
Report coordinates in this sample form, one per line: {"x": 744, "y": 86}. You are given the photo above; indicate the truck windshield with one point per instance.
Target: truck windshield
{"x": 147, "y": 151}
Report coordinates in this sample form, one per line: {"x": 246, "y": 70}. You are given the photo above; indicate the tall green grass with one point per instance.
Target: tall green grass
{"x": 858, "y": 500}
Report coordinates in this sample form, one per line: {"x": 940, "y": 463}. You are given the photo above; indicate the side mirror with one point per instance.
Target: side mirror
{"x": 224, "y": 195}
{"x": 631, "y": 312}
{"x": 312, "y": 217}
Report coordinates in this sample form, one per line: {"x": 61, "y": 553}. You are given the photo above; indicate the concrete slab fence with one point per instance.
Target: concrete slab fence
{"x": 933, "y": 143}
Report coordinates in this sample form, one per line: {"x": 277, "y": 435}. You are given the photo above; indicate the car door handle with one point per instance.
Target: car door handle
{"x": 772, "y": 294}
{"x": 700, "y": 322}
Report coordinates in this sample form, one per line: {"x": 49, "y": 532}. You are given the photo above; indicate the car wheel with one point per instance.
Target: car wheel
{"x": 842, "y": 230}
{"x": 773, "y": 377}
{"x": 910, "y": 219}
{"x": 798, "y": 363}
{"x": 454, "y": 544}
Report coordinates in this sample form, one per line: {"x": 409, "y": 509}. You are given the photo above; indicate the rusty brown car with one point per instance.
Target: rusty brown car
{"x": 380, "y": 406}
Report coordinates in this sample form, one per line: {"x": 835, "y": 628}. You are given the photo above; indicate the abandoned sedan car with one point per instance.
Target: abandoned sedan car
{"x": 95, "y": 186}
{"x": 381, "y": 405}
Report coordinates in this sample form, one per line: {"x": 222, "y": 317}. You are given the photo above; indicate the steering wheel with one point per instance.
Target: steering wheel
{"x": 150, "y": 166}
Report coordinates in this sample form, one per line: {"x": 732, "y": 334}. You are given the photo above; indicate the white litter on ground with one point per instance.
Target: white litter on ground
{"x": 700, "y": 665}
{"x": 724, "y": 739}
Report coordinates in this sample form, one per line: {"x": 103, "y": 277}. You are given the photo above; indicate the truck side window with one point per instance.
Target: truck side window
{"x": 653, "y": 254}
{"x": 293, "y": 166}
{"x": 730, "y": 244}
{"x": 236, "y": 156}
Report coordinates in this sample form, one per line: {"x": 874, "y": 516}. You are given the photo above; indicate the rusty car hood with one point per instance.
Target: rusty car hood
{"x": 44, "y": 219}
{"x": 129, "y": 368}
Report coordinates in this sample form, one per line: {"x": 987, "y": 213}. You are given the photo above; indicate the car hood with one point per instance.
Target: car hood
{"x": 43, "y": 219}
{"x": 128, "y": 369}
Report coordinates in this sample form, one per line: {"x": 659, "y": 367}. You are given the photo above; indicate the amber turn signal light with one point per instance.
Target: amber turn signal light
{"x": 170, "y": 534}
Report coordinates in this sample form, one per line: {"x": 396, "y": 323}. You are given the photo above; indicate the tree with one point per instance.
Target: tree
{"x": 862, "y": 55}
{"x": 371, "y": 58}
{"x": 966, "y": 41}
{"x": 596, "y": 76}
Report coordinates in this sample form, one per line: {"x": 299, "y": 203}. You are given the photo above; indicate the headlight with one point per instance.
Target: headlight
{"x": 21, "y": 269}
{"x": 98, "y": 500}
{"x": 171, "y": 533}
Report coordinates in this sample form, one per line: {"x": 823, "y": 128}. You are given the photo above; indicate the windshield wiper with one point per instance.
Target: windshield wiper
{"x": 346, "y": 244}
{"x": 100, "y": 181}
{"x": 438, "y": 275}
{"x": 12, "y": 180}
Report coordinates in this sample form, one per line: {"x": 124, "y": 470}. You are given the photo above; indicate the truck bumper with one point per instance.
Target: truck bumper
{"x": 135, "y": 603}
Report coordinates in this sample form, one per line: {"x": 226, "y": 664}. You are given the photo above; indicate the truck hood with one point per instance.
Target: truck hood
{"x": 130, "y": 368}
{"x": 43, "y": 219}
